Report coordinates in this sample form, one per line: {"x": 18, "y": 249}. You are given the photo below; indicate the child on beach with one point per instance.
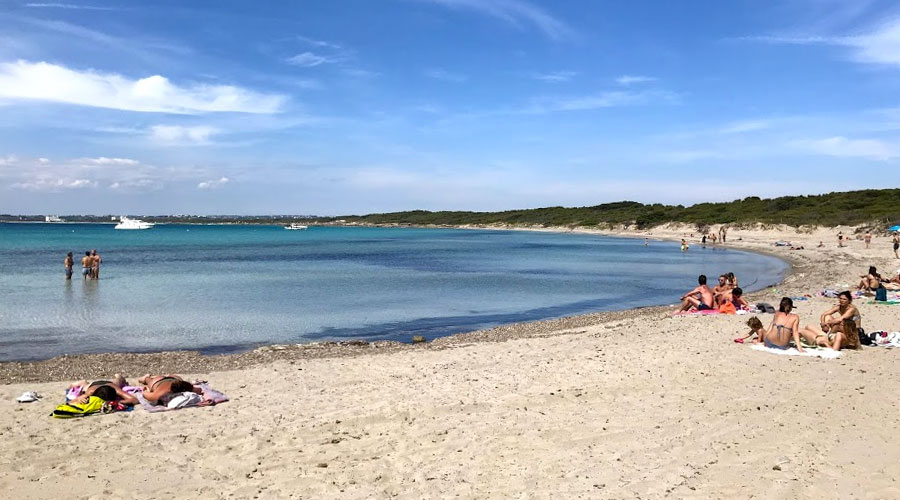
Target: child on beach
{"x": 756, "y": 328}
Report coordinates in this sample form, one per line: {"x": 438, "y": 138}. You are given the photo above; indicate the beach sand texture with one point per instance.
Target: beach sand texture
{"x": 638, "y": 405}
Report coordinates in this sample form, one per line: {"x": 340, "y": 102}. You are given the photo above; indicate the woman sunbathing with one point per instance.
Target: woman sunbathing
{"x": 158, "y": 386}
{"x": 833, "y": 337}
{"x": 871, "y": 281}
{"x": 845, "y": 310}
{"x": 107, "y": 390}
{"x": 785, "y": 327}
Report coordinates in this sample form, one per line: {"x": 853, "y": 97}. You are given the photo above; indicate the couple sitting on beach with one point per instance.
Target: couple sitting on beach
{"x": 160, "y": 390}
{"x": 838, "y": 327}
{"x": 724, "y": 297}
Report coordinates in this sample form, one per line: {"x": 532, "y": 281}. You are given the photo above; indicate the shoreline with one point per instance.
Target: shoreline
{"x": 628, "y": 404}
{"x": 80, "y": 366}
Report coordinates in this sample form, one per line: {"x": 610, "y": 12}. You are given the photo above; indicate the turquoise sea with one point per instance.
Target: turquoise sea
{"x": 227, "y": 288}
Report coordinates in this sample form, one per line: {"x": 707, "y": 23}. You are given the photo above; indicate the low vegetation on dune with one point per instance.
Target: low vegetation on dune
{"x": 876, "y": 207}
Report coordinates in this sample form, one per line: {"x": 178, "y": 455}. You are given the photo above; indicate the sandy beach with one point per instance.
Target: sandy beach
{"x": 629, "y": 404}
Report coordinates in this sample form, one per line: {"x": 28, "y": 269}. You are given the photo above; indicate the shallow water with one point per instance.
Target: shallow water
{"x": 224, "y": 288}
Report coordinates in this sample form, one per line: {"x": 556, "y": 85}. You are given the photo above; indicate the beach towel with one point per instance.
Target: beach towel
{"x": 93, "y": 406}
{"x": 808, "y": 352}
{"x": 885, "y": 339}
{"x": 209, "y": 397}
{"x": 705, "y": 312}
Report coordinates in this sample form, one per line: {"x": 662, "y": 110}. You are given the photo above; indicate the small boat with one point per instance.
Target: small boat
{"x": 126, "y": 223}
{"x": 296, "y": 227}
{"x": 52, "y": 218}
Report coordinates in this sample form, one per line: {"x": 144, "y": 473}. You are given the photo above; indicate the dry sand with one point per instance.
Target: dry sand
{"x": 636, "y": 404}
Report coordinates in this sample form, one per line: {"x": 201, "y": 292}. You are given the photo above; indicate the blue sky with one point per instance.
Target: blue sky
{"x": 359, "y": 106}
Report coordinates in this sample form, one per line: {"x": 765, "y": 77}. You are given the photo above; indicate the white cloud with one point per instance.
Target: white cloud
{"x": 102, "y": 160}
{"x": 744, "y": 126}
{"x": 555, "y": 77}
{"x": 53, "y": 185}
{"x": 310, "y": 60}
{"x": 515, "y": 12}
{"x": 215, "y": 184}
{"x": 849, "y": 148}
{"x": 447, "y": 76}
{"x": 632, "y": 79}
{"x": 68, "y": 6}
{"x": 8, "y": 160}
{"x": 319, "y": 43}
{"x": 599, "y": 101}
{"x": 49, "y": 82}
{"x": 881, "y": 45}
{"x": 172, "y": 134}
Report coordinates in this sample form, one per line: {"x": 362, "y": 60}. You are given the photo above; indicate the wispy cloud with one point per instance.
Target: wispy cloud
{"x": 49, "y": 82}
{"x": 744, "y": 126}
{"x": 309, "y": 59}
{"x": 177, "y": 134}
{"x": 878, "y": 45}
{"x": 444, "y": 75}
{"x": 600, "y": 100}
{"x": 840, "y": 146}
{"x": 319, "y": 43}
{"x": 102, "y": 172}
{"x": 214, "y": 184}
{"x": 68, "y": 6}
{"x": 633, "y": 79}
{"x": 555, "y": 76}
{"x": 518, "y": 13}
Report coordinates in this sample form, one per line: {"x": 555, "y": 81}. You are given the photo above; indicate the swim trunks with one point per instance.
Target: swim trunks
{"x": 703, "y": 307}
{"x": 896, "y": 246}
{"x": 85, "y": 271}
{"x": 68, "y": 272}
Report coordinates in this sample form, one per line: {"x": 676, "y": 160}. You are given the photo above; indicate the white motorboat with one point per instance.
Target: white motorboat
{"x": 52, "y": 218}
{"x": 296, "y": 227}
{"x": 126, "y": 223}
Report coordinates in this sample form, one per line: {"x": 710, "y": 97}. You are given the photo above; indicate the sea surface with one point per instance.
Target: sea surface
{"x": 224, "y": 288}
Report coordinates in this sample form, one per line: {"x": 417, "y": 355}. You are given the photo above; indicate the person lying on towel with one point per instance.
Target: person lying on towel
{"x": 157, "y": 388}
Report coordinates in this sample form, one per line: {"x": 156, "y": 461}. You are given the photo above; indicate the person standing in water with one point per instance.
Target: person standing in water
{"x": 69, "y": 262}
{"x": 684, "y": 245}
{"x": 87, "y": 265}
{"x": 95, "y": 266}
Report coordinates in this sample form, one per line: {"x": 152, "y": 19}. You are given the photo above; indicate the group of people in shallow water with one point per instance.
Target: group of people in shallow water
{"x": 838, "y": 327}
{"x": 156, "y": 389}
{"x": 90, "y": 265}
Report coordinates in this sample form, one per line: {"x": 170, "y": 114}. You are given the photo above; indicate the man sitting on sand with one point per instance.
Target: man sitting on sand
{"x": 735, "y": 296}
{"x": 720, "y": 290}
{"x": 700, "y": 297}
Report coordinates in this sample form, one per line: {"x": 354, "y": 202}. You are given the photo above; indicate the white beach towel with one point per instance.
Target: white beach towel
{"x": 813, "y": 353}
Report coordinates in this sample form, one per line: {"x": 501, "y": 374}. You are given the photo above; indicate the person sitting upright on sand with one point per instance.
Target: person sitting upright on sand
{"x": 700, "y": 297}
{"x": 720, "y": 290}
{"x": 871, "y": 281}
{"x": 845, "y": 310}
{"x": 784, "y": 328}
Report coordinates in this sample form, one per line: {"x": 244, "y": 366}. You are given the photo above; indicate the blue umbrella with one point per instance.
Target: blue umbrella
{"x": 895, "y": 228}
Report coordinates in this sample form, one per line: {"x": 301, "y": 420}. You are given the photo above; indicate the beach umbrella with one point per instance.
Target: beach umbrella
{"x": 894, "y": 228}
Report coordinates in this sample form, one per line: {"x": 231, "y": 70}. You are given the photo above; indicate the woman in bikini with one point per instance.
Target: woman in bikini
{"x": 107, "y": 390}
{"x": 871, "y": 281}
{"x": 784, "y": 328}
{"x": 155, "y": 387}
{"x": 845, "y": 310}
{"x": 832, "y": 337}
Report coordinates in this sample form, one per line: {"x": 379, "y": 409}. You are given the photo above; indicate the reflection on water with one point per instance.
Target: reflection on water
{"x": 220, "y": 286}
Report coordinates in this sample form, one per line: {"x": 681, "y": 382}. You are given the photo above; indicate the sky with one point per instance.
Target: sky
{"x": 337, "y": 107}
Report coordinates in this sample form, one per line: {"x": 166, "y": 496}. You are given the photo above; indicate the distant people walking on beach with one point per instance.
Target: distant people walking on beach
{"x": 700, "y": 297}
{"x": 840, "y": 239}
{"x": 95, "y": 266}
{"x": 69, "y": 262}
{"x": 868, "y": 239}
{"x": 87, "y": 265}
{"x": 896, "y": 241}
{"x": 724, "y": 233}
